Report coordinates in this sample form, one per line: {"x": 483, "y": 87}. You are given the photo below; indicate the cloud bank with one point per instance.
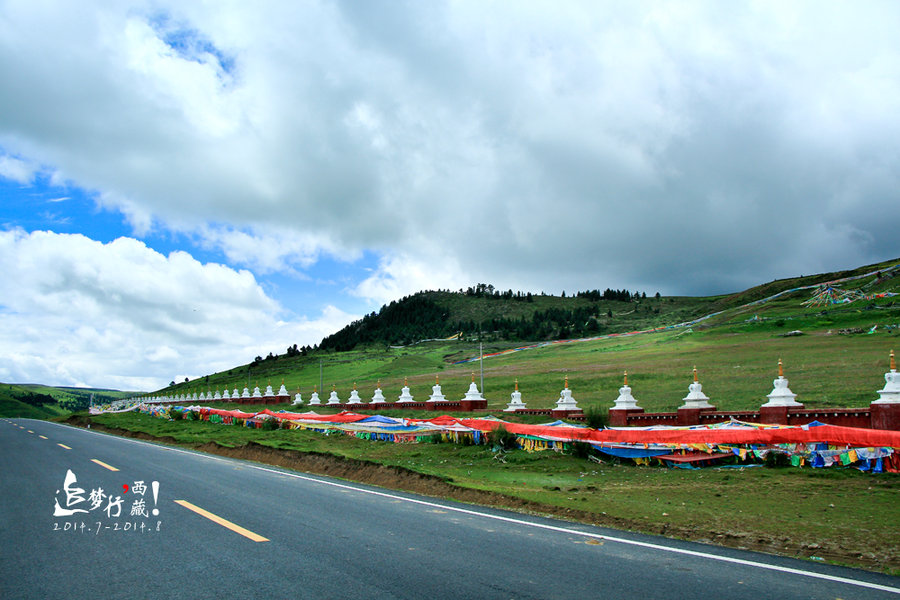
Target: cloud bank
{"x": 687, "y": 148}
{"x": 80, "y": 312}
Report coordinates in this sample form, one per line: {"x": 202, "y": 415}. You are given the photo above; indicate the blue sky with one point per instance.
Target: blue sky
{"x": 183, "y": 187}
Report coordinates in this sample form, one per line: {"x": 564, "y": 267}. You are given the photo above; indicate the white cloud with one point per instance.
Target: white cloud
{"x": 275, "y": 249}
{"x": 401, "y": 275}
{"x": 74, "y": 311}
{"x": 16, "y": 169}
{"x": 574, "y": 144}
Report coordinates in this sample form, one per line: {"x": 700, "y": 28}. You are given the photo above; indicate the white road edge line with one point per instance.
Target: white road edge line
{"x": 727, "y": 559}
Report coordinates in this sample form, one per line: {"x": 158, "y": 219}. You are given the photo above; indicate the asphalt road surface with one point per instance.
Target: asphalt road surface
{"x": 231, "y": 529}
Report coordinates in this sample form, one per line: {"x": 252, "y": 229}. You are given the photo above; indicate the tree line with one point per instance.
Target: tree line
{"x": 418, "y": 317}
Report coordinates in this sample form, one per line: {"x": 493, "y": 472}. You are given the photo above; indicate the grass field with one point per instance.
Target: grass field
{"x": 833, "y": 361}
{"x": 735, "y": 367}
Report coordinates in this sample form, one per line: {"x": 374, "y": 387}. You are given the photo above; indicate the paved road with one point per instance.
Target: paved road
{"x": 326, "y": 538}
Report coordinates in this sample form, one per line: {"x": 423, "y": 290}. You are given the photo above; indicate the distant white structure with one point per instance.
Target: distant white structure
{"x": 625, "y": 401}
{"x": 378, "y": 397}
{"x": 436, "y": 395}
{"x": 515, "y": 400}
{"x": 235, "y": 393}
{"x": 314, "y": 398}
{"x": 269, "y": 391}
{"x": 473, "y": 393}
{"x": 298, "y": 399}
{"x": 781, "y": 394}
{"x": 696, "y": 398}
{"x": 354, "y": 396}
{"x": 405, "y": 396}
{"x": 566, "y": 401}
{"x": 218, "y": 396}
{"x": 333, "y": 397}
{"x": 226, "y": 395}
{"x": 890, "y": 394}
{"x": 283, "y": 394}
{"x": 256, "y": 392}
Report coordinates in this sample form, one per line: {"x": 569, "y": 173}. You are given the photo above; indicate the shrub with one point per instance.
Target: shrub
{"x": 777, "y": 459}
{"x": 503, "y": 439}
{"x": 175, "y": 415}
{"x": 595, "y": 417}
{"x": 581, "y": 449}
{"x": 269, "y": 425}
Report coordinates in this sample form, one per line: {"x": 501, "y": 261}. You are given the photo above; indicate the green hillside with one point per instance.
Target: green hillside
{"x": 18, "y": 401}
{"x": 485, "y": 314}
{"x": 837, "y": 359}
{"x": 42, "y": 402}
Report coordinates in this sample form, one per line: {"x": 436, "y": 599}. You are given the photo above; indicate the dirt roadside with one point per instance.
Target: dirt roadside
{"x": 399, "y": 478}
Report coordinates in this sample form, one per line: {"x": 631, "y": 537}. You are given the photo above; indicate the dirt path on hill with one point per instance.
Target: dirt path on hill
{"x": 399, "y": 478}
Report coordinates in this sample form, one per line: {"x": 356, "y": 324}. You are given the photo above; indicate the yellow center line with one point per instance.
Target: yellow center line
{"x": 30, "y": 431}
{"x": 223, "y": 522}
{"x": 64, "y": 446}
{"x": 103, "y": 464}
{"x": 43, "y": 437}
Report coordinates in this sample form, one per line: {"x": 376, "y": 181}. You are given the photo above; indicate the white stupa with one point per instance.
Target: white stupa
{"x": 891, "y": 392}
{"x": 378, "y": 397}
{"x": 314, "y": 398}
{"x": 781, "y": 394}
{"x": 202, "y": 396}
{"x": 298, "y": 399}
{"x": 218, "y": 396}
{"x": 283, "y": 394}
{"x": 625, "y": 401}
{"x": 269, "y": 391}
{"x": 696, "y": 398}
{"x": 473, "y": 393}
{"x": 226, "y": 395}
{"x": 405, "y": 396}
{"x": 566, "y": 401}
{"x": 515, "y": 400}
{"x": 354, "y": 396}
{"x": 195, "y": 396}
{"x": 333, "y": 397}
{"x": 256, "y": 392}
{"x": 436, "y": 395}
{"x": 235, "y": 393}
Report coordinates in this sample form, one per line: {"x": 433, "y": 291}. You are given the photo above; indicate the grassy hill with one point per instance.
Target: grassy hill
{"x": 834, "y": 361}
{"x": 42, "y": 402}
{"x": 18, "y": 401}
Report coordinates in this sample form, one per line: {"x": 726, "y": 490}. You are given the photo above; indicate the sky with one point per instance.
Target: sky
{"x": 187, "y": 185}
